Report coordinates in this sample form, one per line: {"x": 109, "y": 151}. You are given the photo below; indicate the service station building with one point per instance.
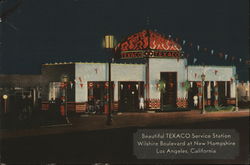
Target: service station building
{"x": 164, "y": 81}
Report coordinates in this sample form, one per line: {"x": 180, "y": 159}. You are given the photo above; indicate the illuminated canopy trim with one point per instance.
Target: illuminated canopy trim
{"x": 148, "y": 43}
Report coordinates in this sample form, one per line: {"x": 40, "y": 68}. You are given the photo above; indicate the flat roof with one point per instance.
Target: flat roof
{"x": 120, "y": 63}
{"x": 226, "y": 66}
{"x": 72, "y": 63}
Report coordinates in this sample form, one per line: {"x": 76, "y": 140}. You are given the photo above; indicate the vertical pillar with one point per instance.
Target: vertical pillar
{"x": 34, "y": 96}
{"x": 248, "y": 89}
{"x": 225, "y": 88}
{"x": 209, "y": 90}
{"x": 116, "y": 91}
{"x": 209, "y": 93}
{"x": 237, "y": 95}
{"x": 54, "y": 90}
{"x": 233, "y": 90}
{"x": 147, "y": 84}
{"x": 200, "y": 95}
{"x": 216, "y": 93}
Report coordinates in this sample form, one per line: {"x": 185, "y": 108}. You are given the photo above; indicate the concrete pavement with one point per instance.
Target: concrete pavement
{"x": 97, "y": 122}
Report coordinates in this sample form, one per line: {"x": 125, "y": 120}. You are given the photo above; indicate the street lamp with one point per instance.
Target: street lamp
{"x": 203, "y": 95}
{"x": 5, "y": 97}
{"x": 65, "y": 80}
{"x": 109, "y": 45}
{"x": 236, "y": 93}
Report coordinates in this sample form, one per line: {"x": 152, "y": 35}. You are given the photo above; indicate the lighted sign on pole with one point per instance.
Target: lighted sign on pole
{"x": 5, "y": 97}
{"x": 65, "y": 80}
{"x": 109, "y": 41}
{"x": 109, "y": 44}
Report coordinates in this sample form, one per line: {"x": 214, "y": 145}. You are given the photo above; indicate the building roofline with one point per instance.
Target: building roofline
{"x": 224, "y": 66}
{"x": 21, "y": 74}
{"x": 73, "y": 63}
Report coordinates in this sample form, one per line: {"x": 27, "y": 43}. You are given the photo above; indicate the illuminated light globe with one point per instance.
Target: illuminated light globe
{"x": 5, "y": 97}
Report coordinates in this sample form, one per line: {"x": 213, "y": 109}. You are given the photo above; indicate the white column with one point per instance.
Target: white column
{"x": 209, "y": 90}
{"x": 225, "y": 88}
{"x": 179, "y": 90}
{"x": 248, "y": 87}
{"x": 116, "y": 91}
{"x": 54, "y": 90}
{"x": 233, "y": 89}
{"x": 34, "y": 96}
{"x": 185, "y": 94}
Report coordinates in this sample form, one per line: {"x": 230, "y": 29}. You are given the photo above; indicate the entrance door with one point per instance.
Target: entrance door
{"x": 98, "y": 94}
{"x": 191, "y": 93}
{"x": 129, "y": 93}
{"x": 221, "y": 93}
{"x": 168, "y": 97}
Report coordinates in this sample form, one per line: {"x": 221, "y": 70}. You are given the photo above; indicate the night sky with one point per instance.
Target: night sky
{"x": 46, "y": 31}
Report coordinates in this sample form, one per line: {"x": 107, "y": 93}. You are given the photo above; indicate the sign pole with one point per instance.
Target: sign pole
{"x": 5, "y": 97}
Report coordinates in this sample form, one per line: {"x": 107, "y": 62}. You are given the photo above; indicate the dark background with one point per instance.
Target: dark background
{"x": 45, "y": 31}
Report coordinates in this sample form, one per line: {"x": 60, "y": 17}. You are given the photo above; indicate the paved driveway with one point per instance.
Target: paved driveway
{"x": 97, "y": 122}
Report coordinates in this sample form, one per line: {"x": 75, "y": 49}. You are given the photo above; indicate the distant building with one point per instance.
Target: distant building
{"x": 17, "y": 86}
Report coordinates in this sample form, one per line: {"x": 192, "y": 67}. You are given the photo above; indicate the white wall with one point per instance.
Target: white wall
{"x": 167, "y": 65}
{"x": 99, "y": 72}
{"x": 88, "y": 72}
{"x": 225, "y": 73}
{"x": 128, "y": 72}
{"x": 136, "y": 72}
{"x": 244, "y": 91}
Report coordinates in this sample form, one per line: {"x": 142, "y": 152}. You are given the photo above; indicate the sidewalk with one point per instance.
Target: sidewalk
{"x": 97, "y": 122}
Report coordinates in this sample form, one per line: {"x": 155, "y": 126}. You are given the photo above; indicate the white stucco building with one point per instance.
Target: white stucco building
{"x": 163, "y": 63}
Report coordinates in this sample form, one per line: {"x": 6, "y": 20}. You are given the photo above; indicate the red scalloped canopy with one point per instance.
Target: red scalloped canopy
{"x": 148, "y": 40}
